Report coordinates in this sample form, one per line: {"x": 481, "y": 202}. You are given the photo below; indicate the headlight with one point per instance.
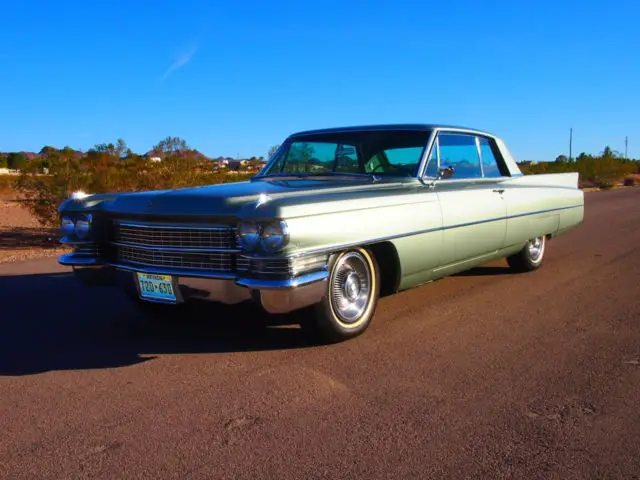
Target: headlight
{"x": 274, "y": 236}
{"x": 249, "y": 233}
{"x": 269, "y": 237}
{"x": 83, "y": 226}
{"x": 67, "y": 226}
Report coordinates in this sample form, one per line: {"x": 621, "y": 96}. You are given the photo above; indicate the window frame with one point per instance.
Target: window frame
{"x": 435, "y": 143}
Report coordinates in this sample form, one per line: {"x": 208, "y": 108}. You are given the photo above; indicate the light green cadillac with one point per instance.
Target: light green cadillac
{"x": 335, "y": 219}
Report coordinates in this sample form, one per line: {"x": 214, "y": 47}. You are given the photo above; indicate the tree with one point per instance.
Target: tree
{"x": 272, "y": 150}
{"x": 171, "y": 145}
{"x": 16, "y": 160}
{"x": 47, "y": 150}
{"x": 121, "y": 150}
{"x": 608, "y": 152}
{"x": 562, "y": 159}
{"x": 3, "y": 160}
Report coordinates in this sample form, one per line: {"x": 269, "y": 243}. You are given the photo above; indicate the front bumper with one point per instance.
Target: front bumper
{"x": 275, "y": 295}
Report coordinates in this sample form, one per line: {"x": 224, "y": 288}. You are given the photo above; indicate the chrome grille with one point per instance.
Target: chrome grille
{"x": 200, "y": 247}
{"x": 215, "y": 261}
{"x": 221, "y": 237}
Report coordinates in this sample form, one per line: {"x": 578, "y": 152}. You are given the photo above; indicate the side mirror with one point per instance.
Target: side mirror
{"x": 446, "y": 171}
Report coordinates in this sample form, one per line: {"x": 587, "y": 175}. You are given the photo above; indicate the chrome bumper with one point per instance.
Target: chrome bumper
{"x": 275, "y": 296}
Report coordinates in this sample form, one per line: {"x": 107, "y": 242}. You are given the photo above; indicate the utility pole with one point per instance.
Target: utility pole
{"x": 570, "y": 143}
{"x": 626, "y": 145}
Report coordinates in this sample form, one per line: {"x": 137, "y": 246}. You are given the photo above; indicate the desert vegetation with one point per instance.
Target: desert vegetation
{"x": 604, "y": 170}
{"x": 46, "y": 179}
{"x": 49, "y": 178}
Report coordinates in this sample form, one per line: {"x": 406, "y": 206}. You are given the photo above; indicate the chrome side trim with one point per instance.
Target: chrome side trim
{"x": 340, "y": 247}
{"x": 69, "y": 259}
{"x": 175, "y": 249}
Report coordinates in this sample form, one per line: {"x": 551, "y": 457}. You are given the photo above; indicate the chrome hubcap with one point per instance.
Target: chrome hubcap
{"x": 536, "y": 248}
{"x": 351, "y": 287}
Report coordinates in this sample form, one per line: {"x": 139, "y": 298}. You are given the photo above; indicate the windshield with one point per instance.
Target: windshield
{"x": 392, "y": 153}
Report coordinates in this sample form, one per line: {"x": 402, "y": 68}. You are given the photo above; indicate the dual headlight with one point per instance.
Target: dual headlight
{"x": 268, "y": 237}
{"x": 79, "y": 226}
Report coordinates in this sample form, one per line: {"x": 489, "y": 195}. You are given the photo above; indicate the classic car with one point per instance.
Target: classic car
{"x": 336, "y": 219}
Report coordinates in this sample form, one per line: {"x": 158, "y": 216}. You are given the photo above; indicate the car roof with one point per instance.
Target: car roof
{"x": 390, "y": 127}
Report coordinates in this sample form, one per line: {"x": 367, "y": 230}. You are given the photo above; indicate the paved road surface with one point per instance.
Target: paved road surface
{"x": 484, "y": 375}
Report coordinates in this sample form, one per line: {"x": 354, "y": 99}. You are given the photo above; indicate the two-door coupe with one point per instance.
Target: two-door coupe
{"x": 335, "y": 219}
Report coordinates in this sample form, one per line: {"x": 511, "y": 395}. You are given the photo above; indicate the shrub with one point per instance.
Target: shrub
{"x": 15, "y": 160}
{"x": 100, "y": 172}
{"x": 7, "y": 183}
{"x": 602, "y": 172}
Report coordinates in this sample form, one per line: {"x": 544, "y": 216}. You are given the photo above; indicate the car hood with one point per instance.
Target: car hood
{"x": 266, "y": 197}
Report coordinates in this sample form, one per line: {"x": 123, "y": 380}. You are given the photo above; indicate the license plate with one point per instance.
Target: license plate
{"x": 156, "y": 287}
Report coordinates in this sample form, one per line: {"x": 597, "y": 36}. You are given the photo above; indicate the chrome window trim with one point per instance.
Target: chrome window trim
{"x": 477, "y": 142}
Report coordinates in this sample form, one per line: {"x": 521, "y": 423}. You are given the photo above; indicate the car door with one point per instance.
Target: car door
{"x": 472, "y": 204}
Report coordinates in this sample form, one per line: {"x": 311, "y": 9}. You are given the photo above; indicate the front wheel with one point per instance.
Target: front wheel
{"x": 350, "y": 299}
{"x": 530, "y": 257}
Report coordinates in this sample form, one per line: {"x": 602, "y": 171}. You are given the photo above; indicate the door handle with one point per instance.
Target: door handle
{"x": 499, "y": 190}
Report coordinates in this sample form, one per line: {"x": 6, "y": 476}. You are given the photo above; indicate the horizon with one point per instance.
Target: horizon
{"x": 234, "y": 80}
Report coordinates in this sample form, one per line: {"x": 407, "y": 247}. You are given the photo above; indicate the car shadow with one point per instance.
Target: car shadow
{"x": 52, "y": 322}
{"x": 485, "y": 271}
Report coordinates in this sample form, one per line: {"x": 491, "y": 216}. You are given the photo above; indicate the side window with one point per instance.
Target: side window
{"x": 460, "y": 152}
{"x": 404, "y": 157}
{"x": 490, "y": 165}
{"x": 432, "y": 163}
{"x": 346, "y": 159}
{"x": 397, "y": 161}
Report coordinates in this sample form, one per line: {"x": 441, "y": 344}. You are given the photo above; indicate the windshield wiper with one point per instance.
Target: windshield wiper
{"x": 314, "y": 174}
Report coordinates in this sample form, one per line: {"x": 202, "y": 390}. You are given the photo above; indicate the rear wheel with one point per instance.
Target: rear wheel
{"x": 530, "y": 257}
{"x": 350, "y": 299}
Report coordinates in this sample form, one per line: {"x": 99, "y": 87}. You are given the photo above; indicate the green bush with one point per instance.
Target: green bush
{"x": 604, "y": 171}
{"x": 7, "y": 182}
{"x": 100, "y": 172}
{"x": 16, "y": 160}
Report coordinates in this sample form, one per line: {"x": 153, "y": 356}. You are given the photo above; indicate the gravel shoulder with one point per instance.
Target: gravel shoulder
{"x": 21, "y": 235}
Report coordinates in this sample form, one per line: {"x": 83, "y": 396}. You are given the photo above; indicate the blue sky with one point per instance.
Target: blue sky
{"x": 234, "y": 77}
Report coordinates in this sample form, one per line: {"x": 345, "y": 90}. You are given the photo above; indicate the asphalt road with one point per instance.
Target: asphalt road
{"x": 483, "y": 375}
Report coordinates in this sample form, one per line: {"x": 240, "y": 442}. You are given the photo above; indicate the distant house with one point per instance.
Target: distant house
{"x": 153, "y": 156}
{"x": 158, "y": 156}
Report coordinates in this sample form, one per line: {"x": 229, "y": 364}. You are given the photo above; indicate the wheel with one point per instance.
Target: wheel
{"x": 530, "y": 257}
{"x": 350, "y": 299}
